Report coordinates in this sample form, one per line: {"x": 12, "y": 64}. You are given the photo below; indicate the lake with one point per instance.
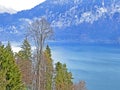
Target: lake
{"x": 97, "y": 64}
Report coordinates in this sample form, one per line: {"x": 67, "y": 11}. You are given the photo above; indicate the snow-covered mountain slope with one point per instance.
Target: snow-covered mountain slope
{"x": 6, "y": 10}
{"x": 72, "y": 20}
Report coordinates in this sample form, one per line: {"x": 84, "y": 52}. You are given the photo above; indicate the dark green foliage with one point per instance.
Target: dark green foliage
{"x": 48, "y": 51}
{"x": 25, "y": 52}
{"x": 23, "y": 58}
{"x": 8, "y": 48}
{"x": 49, "y": 69}
{"x": 63, "y": 78}
{"x": 10, "y": 77}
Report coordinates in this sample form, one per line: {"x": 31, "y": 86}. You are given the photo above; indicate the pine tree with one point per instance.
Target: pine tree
{"x": 49, "y": 69}
{"x": 63, "y": 78}
{"x": 10, "y": 76}
{"x": 25, "y": 52}
{"x": 24, "y": 63}
{"x": 9, "y": 49}
{"x": 48, "y": 51}
{"x": 3, "y": 81}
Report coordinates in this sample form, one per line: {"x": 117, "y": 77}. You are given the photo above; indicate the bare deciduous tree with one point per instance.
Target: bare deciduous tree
{"x": 80, "y": 86}
{"x": 39, "y": 30}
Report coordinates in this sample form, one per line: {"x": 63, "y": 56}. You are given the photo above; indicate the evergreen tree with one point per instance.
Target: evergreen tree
{"x": 24, "y": 63}
{"x": 3, "y": 81}
{"x": 25, "y": 52}
{"x": 49, "y": 69}
{"x": 63, "y": 78}
{"x": 9, "y": 49}
{"x": 10, "y": 76}
{"x": 48, "y": 51}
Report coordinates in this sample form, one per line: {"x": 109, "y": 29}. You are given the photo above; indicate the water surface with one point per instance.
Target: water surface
{"x": 97, "y": 64}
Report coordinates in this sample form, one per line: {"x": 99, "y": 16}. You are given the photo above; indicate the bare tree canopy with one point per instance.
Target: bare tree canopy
{"x": 40, "y": 30}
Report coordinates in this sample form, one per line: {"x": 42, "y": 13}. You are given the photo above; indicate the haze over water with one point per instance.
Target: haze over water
{"x": 98, "y": 65}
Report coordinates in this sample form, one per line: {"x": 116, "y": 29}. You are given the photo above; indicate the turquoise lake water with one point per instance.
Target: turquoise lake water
{"x": 98, "y": 65}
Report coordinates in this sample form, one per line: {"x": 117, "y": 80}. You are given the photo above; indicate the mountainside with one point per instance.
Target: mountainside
{"x": 8, "y": 10}
{"x": 95, "y": 21}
